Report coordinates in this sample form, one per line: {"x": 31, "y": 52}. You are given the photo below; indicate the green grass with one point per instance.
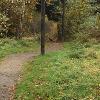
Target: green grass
{"x": 9, "y": 46}
{"x": 69, "y": 74}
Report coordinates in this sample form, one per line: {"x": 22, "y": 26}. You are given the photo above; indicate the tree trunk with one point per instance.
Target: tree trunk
{"x": 22, "y": 19}
{"x": 59, "y": 37}
{"x": 63, "y": 20}
{"x": 42, "y": 27}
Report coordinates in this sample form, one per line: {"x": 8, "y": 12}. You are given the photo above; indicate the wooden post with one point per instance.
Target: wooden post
{"x": 42, "y": 27}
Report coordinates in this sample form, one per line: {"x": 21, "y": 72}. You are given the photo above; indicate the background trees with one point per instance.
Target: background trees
{"x": 53, "y": 12}
{"x": 76, "y": 14}
{"x": 20, "y": 13}
{"x": 24, "y": 17}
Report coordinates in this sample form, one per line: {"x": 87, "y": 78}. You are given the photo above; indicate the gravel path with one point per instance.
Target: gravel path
{"x": 9, "y": 72}
{"x": 10, "y": 69}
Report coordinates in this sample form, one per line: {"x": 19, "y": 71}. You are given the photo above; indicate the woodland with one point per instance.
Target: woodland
{"x": 49, "y": 49}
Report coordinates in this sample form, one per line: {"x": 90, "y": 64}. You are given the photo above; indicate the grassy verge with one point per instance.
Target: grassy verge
{"x": 9, "y": 46}
{"x": 70, "y": 74}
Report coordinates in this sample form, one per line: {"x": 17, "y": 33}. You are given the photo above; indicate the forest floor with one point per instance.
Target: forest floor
{"x": 10, "y": 69}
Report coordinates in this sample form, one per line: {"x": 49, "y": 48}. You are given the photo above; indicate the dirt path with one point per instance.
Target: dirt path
{"x": 10, "y": 69}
